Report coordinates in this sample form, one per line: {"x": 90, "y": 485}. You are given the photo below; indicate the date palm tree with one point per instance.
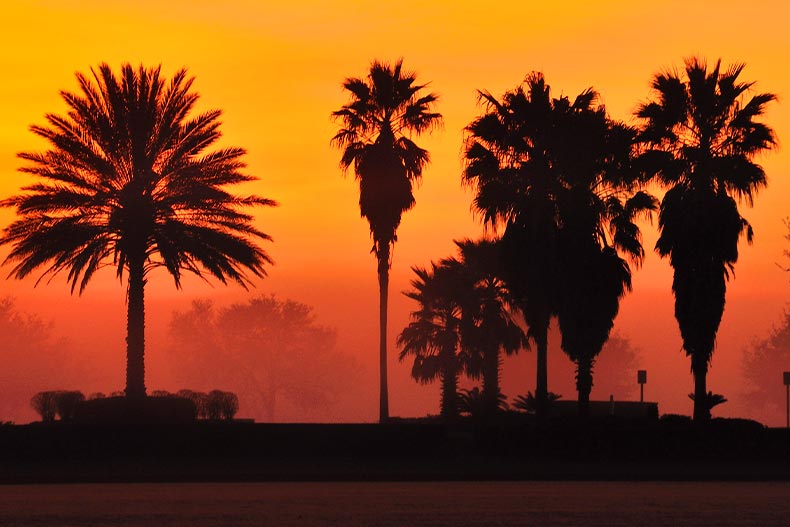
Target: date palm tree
{"x": 384, "y": 111}
{"x": 701, "y": 134}
{"x": 433, "y": 336}
{"x": 128, "y": 182}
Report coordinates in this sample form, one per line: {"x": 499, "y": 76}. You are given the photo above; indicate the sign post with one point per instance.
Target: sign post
{"x": 641, "y": 378}
{"x": 787, "y": 387}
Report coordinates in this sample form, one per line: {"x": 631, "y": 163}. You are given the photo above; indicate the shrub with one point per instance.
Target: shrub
{"x": 45, "y": 405}
{"x": 66, "y": 403}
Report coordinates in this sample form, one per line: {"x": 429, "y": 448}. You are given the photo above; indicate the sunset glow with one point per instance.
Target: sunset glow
{"x": 275, "y": 70}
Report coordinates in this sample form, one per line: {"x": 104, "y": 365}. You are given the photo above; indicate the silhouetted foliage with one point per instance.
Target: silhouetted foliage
{"x": 710, "y": 400}
{"x": 474, "y": 403}
{"x": 96, "y": 395}
{"x": 199, "y": 399}
{"x": 128, "y": 182}
{"x": 616, "y": 367}
{"x": 763, "y": 363}
{"x": 32, "y": 356}
{"x": 266, "y": 349}
{"x": 528, "y": 403}
{"x": 700, "y": 136}
{"x": 221, "y": 405}
{"x": 433, "y": 336}
{"x": 66, "y": 403}
{"x": 45, "y": 405}
{"x": 489, "y": 329}
{"x": 384, "y": 110}
{"x": 514, "y": 159}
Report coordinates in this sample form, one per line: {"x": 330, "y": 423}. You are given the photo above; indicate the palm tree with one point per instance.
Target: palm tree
{"x": 385, "y": 109}
{"x": 433, "y": 335}
{"x": 516, "y": 156}
{"x": 598, "y": 212}
{"x": 700, "y": 137}
{"x": 127, "y": 182}
{"x": 488, "y": 328}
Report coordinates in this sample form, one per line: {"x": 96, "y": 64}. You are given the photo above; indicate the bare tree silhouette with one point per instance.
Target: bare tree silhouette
{"x": 700, "y": 137}
{"x": 128, "y": 183}
{"x": 385, "y": 109}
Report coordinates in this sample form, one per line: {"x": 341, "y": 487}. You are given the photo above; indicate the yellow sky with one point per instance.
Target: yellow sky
{"x": 275, "y": 70}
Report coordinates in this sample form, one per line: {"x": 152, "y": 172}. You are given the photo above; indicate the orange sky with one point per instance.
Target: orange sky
{"x": 275, "y": 71}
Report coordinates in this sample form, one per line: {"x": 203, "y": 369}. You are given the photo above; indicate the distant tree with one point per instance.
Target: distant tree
{"x": 66, "y": 403}
{"x": 700, "y": 136}
{"x": 616, "y": 367}
{"x": 45, "y": 405}
{"x": 221, "y": 405}
{"x": 199, "y": 399}
{"x": 127, "y": 182}
{"x": 32, "y": 358}
{"x": 384, "y": 111}
{"x": 267, "y": 349}
{"x": 763, "y": 362}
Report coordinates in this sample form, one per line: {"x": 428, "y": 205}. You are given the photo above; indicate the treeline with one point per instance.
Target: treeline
{"x": 63, "y": 404}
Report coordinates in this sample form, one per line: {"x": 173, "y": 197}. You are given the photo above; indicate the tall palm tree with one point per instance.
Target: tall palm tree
{"x": 384, "y": 110}
{"x": 127, "y": 182}
{"x": 515, "y": 157}
{"x": 701, "y": 134}
{"x": 433, "y": 336}
{"x": 488, "y": 328}
{"x": 598, "y": 212}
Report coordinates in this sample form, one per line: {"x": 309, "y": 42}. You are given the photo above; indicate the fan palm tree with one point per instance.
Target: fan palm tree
{"x": 127, "y": 182}
{"x": 598, "y": 212}
{"x": 433, "y": 336}
{"x": 385, "y": 109}
{"x": 517, "y": 156}
{"x": 489, "y": 329}
{"x": 701, "y": 134}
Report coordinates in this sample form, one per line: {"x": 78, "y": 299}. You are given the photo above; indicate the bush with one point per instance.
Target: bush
{"x": 221, "y": 405}
{"x": 147, "y": 410}
{"x": 66, "y": 403}
{"x": 45, "y": 405}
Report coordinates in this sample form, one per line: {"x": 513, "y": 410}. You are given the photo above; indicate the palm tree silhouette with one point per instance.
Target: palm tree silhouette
{"x": 433, "y": 335}
{"x": 598, "y": 210}
{"x": 514, "y": 156}
{"x": 488, "y": 328}
{"x": 700, "y": 138}
{"x": 385, "y": 109}
{"x": 127, "y": 182}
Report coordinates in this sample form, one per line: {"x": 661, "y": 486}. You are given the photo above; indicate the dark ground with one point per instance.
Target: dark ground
{"x": 665, "y": 449}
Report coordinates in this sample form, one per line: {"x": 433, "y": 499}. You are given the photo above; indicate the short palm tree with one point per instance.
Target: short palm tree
{"x": 127, "y": 182}
{"x": 433, "y": 336}
{"x": 385, "y": 109}
{"x": 701, "y": 135}
{"x": 489, "y": 328}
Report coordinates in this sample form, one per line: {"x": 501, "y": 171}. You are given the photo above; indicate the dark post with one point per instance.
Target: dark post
{"x": 641, "y": 378}
{"x": 787, "y": 387}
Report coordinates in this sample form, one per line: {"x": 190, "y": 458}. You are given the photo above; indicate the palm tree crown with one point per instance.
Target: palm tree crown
{"x": 376, "y": 124}
{"x": 127, "y": 182}
{"x": 700, "y": 137}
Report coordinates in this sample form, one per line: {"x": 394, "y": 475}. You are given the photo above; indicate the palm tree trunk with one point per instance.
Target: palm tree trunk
{"x": 541, "y": 384}
{"x": 135, "y": 330}
{"x": 491, "y": 380}
{"x": 383, "y": 272}
{"x": 449, "y": 410}
{"x": 584, "y": 382}
{"x": 699, "y": 368}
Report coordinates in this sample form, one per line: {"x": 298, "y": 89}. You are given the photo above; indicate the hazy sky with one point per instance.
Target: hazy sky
{"x": 276, "y": 71}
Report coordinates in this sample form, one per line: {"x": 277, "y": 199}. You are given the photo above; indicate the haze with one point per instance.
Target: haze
{"x": 276, "y": 72}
